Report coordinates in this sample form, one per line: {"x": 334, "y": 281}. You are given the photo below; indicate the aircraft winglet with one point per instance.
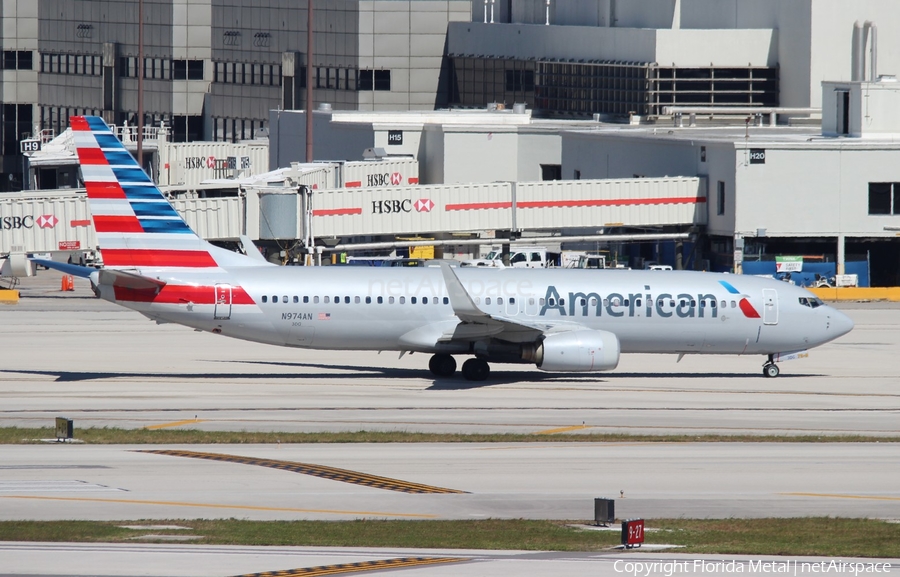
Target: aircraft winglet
{"x": 463, "y": 305}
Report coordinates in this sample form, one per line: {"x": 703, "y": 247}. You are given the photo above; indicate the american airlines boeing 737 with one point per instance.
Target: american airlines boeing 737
{"x": 559, "y": 320}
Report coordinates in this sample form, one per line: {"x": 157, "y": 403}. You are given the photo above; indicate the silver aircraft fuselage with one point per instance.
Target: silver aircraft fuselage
{"x": 359, "y": 308}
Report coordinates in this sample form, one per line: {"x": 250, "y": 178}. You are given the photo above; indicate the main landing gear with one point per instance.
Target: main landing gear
{"x": 442, "y": 365}
{"x": 476, "y": 369}
{"x": 770, "y": 369}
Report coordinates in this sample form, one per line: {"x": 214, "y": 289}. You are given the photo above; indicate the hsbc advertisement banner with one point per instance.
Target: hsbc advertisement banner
{"x": 489, "y": 206}
{"x": 58, "y": 221}
{"x": 411, "y": 209}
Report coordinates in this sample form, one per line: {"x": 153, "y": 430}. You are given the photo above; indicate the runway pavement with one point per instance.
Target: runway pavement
{"x": 68, "y": 354}
{"x": 206, "y": 561}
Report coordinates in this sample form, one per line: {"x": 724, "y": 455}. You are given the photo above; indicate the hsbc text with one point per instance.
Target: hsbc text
{"x": 391, "y": 206}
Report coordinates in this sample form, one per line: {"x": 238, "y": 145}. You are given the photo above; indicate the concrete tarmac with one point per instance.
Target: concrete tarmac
{"x": 68, "y": 354}
{"x": 119, "y": 560}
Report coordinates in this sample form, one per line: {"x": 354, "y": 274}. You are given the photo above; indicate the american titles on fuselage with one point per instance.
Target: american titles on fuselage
{"x": 571, "y": 303}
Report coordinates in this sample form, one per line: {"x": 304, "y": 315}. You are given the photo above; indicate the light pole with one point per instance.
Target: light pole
{"x": 140, "y": 71}
{"x": 309, "y": 76}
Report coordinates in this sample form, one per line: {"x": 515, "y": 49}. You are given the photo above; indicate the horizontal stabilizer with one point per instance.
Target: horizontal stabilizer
{"x": 122, "y": 279}
{"x": 72, "y": 269}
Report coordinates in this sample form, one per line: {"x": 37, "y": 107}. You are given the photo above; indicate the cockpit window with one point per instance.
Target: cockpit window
{"x": 811, "y": 302}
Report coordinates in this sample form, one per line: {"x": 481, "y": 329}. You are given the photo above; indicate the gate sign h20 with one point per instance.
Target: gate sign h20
{"x": 757, "y": 156}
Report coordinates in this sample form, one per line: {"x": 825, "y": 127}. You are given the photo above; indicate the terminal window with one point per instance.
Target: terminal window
{"x": 17, "y": 60}
{"x": 720, "y": 198}
{"x": 884, "y": 198}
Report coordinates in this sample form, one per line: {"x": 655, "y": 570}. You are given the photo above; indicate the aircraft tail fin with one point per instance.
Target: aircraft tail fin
{"x": 136, "y": 226}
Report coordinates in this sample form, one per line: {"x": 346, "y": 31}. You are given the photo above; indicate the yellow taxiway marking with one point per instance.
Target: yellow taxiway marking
{"x": 322, "y": 471}
{"x": 173, "y": 424}
{"x": 563, "y": 430}
{"x": 360, "y": 566}
{"x": 219, "y": 506}
{"x": 836, "y": 496}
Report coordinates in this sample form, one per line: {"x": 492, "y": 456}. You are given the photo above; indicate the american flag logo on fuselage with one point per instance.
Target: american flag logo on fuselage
{"x": 136, "y": 226}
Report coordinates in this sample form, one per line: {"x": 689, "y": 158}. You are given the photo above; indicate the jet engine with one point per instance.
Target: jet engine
{"x": 578, "y": 351}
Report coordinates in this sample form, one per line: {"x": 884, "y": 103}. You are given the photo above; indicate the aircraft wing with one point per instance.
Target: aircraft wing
{"x": 72, "y": 269}
{"x": 477, "y": 323}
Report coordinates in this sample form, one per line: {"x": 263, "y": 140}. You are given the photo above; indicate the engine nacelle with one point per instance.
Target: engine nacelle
{"x": 578, "y": 351}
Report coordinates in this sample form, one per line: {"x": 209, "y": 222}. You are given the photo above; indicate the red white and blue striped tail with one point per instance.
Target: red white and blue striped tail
{"x": 136, "y": 226}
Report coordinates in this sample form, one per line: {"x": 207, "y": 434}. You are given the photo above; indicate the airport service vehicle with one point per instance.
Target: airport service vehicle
{"x": 519, "y": 257}
{"x": 576, "y": 320}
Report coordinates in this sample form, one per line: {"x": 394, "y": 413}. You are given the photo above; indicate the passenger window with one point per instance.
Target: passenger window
{"x": 346, "y": 300}
{"x": 296, "y": 299}
{"x": 265, "y": 298}
{"x": 499, "y": 300}
{"x": 380, "y": 300}
{"x": 424, "y": 300}
{"x": 693, "y": 303}
{"x": 541, "y": 302}
{"x": 477, "y": 300}
{"x": 356, "y": 300}
{"x": 606, "y": 302}
{"x": 368, "y": 300}
{"x": 723, "y": 305}
{"x": 402, "y": 300}
{"x": 316, "y": 300}
{"x": 284, "y": 299}
{"x": 584, "y": 302}
{"x": 326, "y": 300}
{"x": 412, "y": 300}
{"x": 671, "y": 303}
{"x": 446, "y": 300}
{"x": 274, "y": 299}
{"x": 512, "y": 300}
{"x": 562, "y": 302}
{"x": 305, "y": 300}
{"x": 733, "y": 304}
{"x": 637, "y": 303}
{"x": 487, "y": 300}
{"x": 626, "y": 302}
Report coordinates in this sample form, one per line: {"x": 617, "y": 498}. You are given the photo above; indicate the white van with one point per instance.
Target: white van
{"x": 656, "y": 266}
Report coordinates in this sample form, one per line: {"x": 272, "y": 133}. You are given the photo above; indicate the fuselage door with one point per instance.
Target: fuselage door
{"x": 223, "y": 302}
{"x": 770, "y": 306}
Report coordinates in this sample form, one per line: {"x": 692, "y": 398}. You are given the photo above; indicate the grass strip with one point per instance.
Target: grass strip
{"x": 819, "y": 536}
{"x": 117, "y": 436}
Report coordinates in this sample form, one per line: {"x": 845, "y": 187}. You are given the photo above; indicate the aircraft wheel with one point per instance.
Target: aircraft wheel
{"x": 476, "y": 370}
{"x": 771, "y": 370}
{"x": 442, "y": 365}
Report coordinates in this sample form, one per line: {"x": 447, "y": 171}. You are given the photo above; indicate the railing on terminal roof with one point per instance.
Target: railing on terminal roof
{"x": 128, "y": 133}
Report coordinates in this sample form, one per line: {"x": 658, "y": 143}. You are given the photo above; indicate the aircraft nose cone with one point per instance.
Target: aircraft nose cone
{"x": 840, "y": 323}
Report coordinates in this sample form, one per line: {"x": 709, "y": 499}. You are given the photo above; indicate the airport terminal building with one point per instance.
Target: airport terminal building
{"x": 578, "y": 90}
